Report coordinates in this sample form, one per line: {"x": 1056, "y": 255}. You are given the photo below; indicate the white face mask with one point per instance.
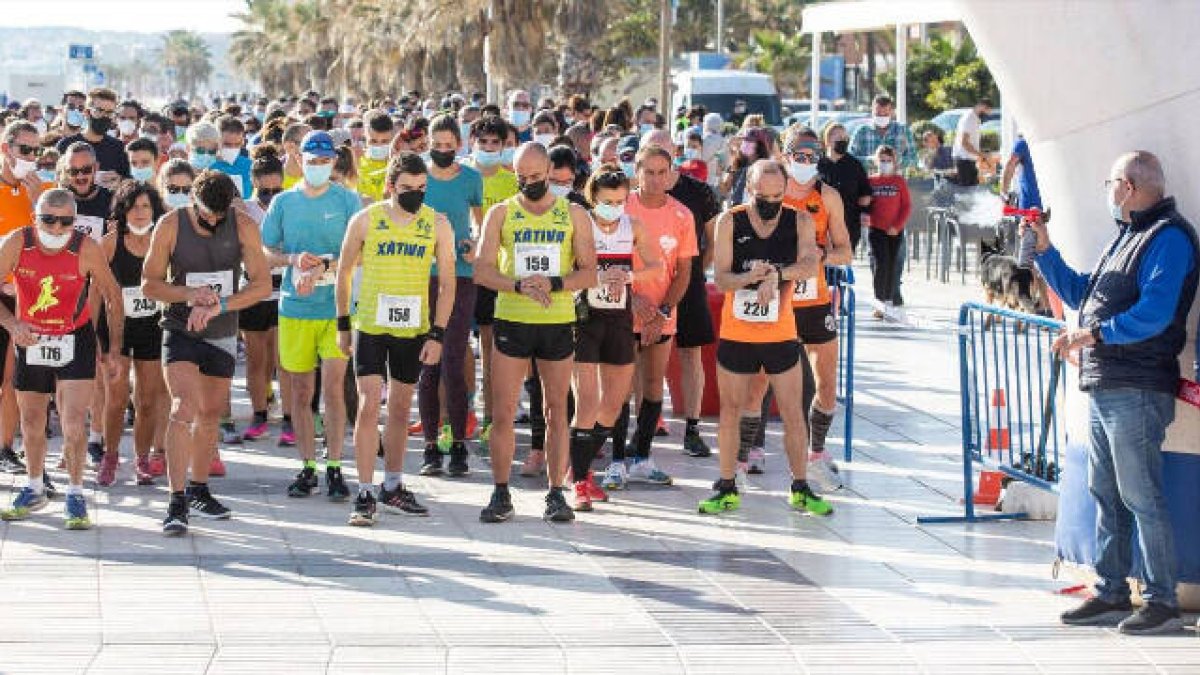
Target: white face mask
{"x": 377, "y": 152}
{"x": 23, "y": 167}
{"x": 40, "y": 125}
{"x": 544, "y": 140}
{"x": 53, "y": 241}
{"x": 802, "y": 172}
{"x": 140, "y": 231}
{"x": 126, "y": 127}
{"x": 177, "y": 200}
{"x": 229, "y": 155}
{"x": 883, "y": 120}
{"x": 886, "y": 168}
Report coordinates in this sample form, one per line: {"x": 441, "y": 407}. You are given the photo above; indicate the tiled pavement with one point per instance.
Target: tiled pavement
{"x": 644, "y": 584}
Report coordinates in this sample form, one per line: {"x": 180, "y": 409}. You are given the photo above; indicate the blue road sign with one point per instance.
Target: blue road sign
{"x": 79, "y": 52}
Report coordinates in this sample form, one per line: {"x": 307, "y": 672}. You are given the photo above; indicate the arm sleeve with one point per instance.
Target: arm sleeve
{"x": 475, "y": 192}
{"x": 688, "y": 247}
{"x": 905, "y": 204}
{"x": 864, "y": 181}
{"x": 1166, "y": 263}
{"x": 1066, "y": 282}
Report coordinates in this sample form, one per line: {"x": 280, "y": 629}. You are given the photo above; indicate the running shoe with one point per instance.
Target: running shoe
{"x": 661, "y": 428}
{"x": 318, "y": 425}
{"x": 694, "y": 445}
{"x": 583, "y": 496}
{"x": 130, "y": 414}
{"x": 287, "y": 435}
{"x": 202, "y": 503}
{"x": 594, "y": 490}
{"x": 616, "y": 476}
{"x": 229, "y": 433}
{"x": 401, "y": 501}
{"x": 10, "y": 462}
{"x": 557, "y": 508}
{"x": 415, "y": 428}
{"x": 107, "y": 474}
{"x": 646, "y": 471}
{"x": 95, "y": 451}
{"x": 756, "y": 460}
{"x": 306, "y": 481}
{"x": 499, "y": 508}
{"x": 821, "y": 471}
{"x": 75, "y": 513}
{"x": 176, "y": 522}
{"x": 335, "y": 485}
{"x": 535, "y": 463}
{"x": 48, "y": 486}
{"x": 26, "y": 502}
{"x": 217, "y": 467}
{"x": 804, "y": 499}
{"x": 432, "y": 465}
{"x": 458, "y": 460}
{"x": 726, "y": 499}
{"x": 142, "y": 471}
{"x": 363, "y": 514}
{"x": 445, "y": 439}
{"x": 472, "y": 424}
{"x": 255, "y": 431}
{"x": 158, "y": 463}
{"x": 485, "y": 435}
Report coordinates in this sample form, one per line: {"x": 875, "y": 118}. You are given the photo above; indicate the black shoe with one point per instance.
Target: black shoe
{"x": 433, "y": 461}
{"x": 379, "y": 452}
{"x": 203, "y": 504}
{"x": 1096, "y": 612}
{"x": 48, "y": 485}
{"x": 10, "y": 462}
{"x": 95, "y": 452}
{"x": 557, "y": 508}
{"x": 458, "y": 460}
{"x": 402, "y": 501}
{"x": 1152, "y": 619}
{"x": 335, "y": 485}
{"x": 363, "y": 514}
{"x": 176, "y": 522}
{"x": 694, "y": 445}
{"x": 306, "y": 481}
{"x": 499, "y": 509}
{"x": 522, "y": 418}
{"x": 130, "y": 415}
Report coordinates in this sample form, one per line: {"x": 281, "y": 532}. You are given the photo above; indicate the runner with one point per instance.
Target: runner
{"x": 671, "y": 226}
{"x": 259, "y": 323}
{"x": 52, "y": 266}
{"x": 605, "y": 345}
{"x": 373, "y": 165}
{"x": 192, "y": 265}
{"x": 136, "y": 208}
{"x": 396, "y": 242}
{"x": 490, "y": 134}
{"x": 761, "y": 251}
{"x": 304, "y": 229}
{"x": 536, "y": 249}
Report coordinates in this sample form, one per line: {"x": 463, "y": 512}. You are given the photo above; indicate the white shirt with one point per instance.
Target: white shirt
{"x": 968, "y": 127}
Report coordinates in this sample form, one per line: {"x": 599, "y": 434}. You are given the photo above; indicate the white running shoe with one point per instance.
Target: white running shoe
{"x": 616, "y": 476}
{"x": 646, "y": 471}
{"x": 823, "y": 473}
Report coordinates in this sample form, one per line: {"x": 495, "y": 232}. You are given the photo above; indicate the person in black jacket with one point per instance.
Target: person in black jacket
{"x": 846, "y": 174}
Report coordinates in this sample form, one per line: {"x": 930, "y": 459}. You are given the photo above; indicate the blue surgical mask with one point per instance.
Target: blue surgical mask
{"x": 177, "y": 200}
{"x": 1114, "y": 208}
{"x": 141, "y": 174}
{"x": 200, "y": 162}
{"x": 519, "y": 118}
{"x": 260, "y": 115}
{"x": 74, "y": 118}
{"x": 378, "y": 153}
{"x": 486, "y": 158}
{"x": 609, "y": 212}
{"x": 465, "y": 130}
{"x": 507, "y": 156}
{"x": 691, "y": 153}
{"x": 46, "y": 175}
{"x": 630, "y": 169}
{"x": 645, "y": 127}
{"x": 317, "y": 175}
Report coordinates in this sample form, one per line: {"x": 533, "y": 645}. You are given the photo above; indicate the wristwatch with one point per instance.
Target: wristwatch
{"x": 1095, "y": 331}
{"x": 665, "y": 309}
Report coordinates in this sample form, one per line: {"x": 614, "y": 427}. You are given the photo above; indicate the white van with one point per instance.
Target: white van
{"x": 721, "y": 90}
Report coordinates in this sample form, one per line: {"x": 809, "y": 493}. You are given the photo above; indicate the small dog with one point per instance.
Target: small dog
{"x": 1010, "y": 286}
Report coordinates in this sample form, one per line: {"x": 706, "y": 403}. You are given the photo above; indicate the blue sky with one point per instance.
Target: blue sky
{"x": 141, "y": 15}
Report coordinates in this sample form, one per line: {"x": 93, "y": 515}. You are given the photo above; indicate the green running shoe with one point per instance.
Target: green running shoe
{"x": 445, "y": 439}
{"x": 721, "y": 502}
{"x": 485, "y": 435}
{"x": 805, "y": 500}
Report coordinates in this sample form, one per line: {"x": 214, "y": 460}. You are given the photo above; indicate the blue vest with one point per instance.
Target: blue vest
{"x": 1151, "y": 364}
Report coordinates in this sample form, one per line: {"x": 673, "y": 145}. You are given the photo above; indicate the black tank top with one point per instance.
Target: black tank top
{"x": 779, "y": 248}
{"x": 216, "y": 261}
{"x": 141, "y": 314}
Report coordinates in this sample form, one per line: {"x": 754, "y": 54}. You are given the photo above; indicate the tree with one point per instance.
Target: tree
{"x": 783, "y": 57}
{"x": 941, "y": 76}
{"x": 188, "y": 54}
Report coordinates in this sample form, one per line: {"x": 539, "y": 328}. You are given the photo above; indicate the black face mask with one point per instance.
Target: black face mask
{"x": 411, "y": 200}
{"x": 211, "y": 227}
{"x": 535, "y": 190}
{"x": 442, "y": 158}
{"x": 99, "y": 125}
{"x": 767, "y": 210}
{"x": 841, "y": 147}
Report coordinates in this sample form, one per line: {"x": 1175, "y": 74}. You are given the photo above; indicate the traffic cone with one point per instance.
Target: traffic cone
{"x": 988, "y": 493}
{"x": 998, "y": 436}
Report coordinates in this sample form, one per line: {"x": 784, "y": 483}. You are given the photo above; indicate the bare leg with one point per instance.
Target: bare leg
{"x": 114, "y": 407}
{"x": 333, "y": 382}
{"x": 74, "y": 399}
{"x": 556, "y": 382}
{"x": 508, "y": 374}
{"x": 151, "y": 404}
{"x": 33, "y": 432}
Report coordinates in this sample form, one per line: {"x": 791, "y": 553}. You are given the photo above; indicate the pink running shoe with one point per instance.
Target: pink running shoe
{"x": 255, "y": 431}
{"x": 143, "y": 470}
{"x": 157, "y": 462}
{"x": 217, "y": 468}
{"x": 107, "y": 474}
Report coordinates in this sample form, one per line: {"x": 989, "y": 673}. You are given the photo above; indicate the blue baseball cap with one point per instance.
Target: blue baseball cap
{"x": 318, "y": 144}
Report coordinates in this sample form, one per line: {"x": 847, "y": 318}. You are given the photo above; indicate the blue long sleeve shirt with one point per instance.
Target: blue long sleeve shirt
{"x": 1165, "y": 264}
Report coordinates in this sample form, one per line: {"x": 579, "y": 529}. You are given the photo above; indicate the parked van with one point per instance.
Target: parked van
{"x": 720, "y": 90}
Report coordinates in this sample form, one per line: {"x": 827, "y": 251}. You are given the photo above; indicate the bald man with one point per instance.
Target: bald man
{"x": 535, "y": 251}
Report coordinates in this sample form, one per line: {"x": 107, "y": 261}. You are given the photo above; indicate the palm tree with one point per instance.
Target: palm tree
{"x": 784, "y": 57}
{"x": 188, "y": 54}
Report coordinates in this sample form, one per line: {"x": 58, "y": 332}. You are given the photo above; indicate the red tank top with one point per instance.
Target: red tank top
{"x": 51, "y": 292}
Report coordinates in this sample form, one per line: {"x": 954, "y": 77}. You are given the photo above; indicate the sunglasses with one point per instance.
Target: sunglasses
{"x": 268, "y": 192}
{"x": 50, "y": 219}
{"x": 204, "y": 151}
{"x": 81, "y": 170}
{"x": 27, "y": 150}
{"x": 804, "y": 157}
{"x": 100, "y": 112}
{"x": 179, "y": 189}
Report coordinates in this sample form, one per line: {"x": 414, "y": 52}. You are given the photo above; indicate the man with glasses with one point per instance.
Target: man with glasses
{"x": 19, "y": 190}
{"x": 52, "y": 266}
{"x": 72, "y": 119}
{"x": 520, "y": 113}
{"x": 110, "y": 152}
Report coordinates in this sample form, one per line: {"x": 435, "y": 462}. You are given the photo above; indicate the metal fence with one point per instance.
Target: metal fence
{"x": 841, "y": 283}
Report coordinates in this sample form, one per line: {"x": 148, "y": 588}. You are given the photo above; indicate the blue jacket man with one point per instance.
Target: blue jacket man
{"x": 1133, "y": 311}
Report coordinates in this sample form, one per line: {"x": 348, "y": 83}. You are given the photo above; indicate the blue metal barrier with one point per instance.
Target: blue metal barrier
{"x": 1005, "y": 363}
{"x": 841, "y": 283}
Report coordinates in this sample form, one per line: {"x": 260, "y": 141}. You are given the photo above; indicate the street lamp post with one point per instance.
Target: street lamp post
{"x": 664, "y": 58}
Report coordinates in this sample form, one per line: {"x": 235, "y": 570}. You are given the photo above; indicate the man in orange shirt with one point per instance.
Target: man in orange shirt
{"x": 19, "y": 190}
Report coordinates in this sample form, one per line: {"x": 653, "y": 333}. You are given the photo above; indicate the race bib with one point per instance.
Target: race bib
{"x": 221, "y": 282}
{"x": 398, "y": 311}
{"x": 535, "y": 259}
{"x": 138, "y": 306}
{"x": 806, "y": 289}
{"x": 746, "y": 307}
{"x": 92, "y": 226}
{"x": 54, "y": 351}
{"x": 601, "y": 298}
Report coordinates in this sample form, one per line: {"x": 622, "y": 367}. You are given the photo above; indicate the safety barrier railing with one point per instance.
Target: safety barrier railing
{"x": 841, "y": 283}
{"x": 1011, "y": 387}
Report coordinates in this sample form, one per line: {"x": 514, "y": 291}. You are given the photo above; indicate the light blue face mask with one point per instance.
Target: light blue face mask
{"x": 630, "y": 169}
{"x": 645, "y": 127}
{"x": 46, "y": 175}
{"x": 519, "y": 118}
{"x": 317, "y": 175}
{"x": 507, "y": 156}
{"x": 200, "y": 162}
{"x": 485, "y": 158}
{"x": 141, "y": 174}
{"x": 74, "y": 118}
{"x": 177, "y": 200}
